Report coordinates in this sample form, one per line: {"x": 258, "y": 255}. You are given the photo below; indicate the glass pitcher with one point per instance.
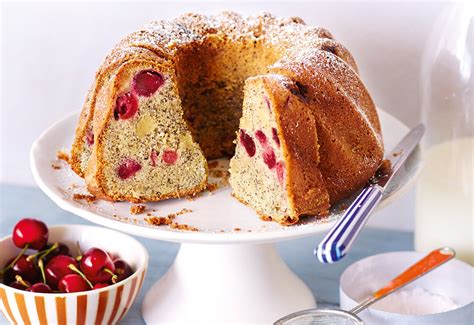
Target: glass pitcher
{"x": 444, "y": 194}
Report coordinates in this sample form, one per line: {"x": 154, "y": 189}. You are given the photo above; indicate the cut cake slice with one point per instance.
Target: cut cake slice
{"x": 275, "y": 166}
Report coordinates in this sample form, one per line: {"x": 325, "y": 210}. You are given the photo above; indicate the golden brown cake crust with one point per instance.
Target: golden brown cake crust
{"x": 349, "y": 134}
{"x": 299, "y": 142}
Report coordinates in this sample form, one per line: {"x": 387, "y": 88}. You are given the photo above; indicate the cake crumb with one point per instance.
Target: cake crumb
{"x": 211, "y": 187}
{"x": 396, "y": 154}
{"x": 182, "y": 211}
{"x": 137, "y": 209}
{"x": 343, "y": 207}
{"x": 55, "y": 166}
{"x": 266, "y": 218}
{"x": 62, "y": 155}
{"x": 384, "y": 169}
{"x": 182, "y": 226}
{"x": 158, "y": 221}
{"x": 193, "y": 197}
{"x": 237, "y": 229}
{"x": 87, "y": 197}
{"x": 73, "y": 186}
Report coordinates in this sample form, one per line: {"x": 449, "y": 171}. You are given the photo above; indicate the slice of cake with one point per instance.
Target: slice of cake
{"x": 143, "y": 150}
{"x": 275, "y": 166}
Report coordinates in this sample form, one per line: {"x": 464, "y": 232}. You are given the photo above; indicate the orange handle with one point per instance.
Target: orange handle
{"x": 423, "y": 266}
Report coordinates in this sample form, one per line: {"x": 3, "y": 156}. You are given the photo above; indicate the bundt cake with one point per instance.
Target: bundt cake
{"x": 282, "y": 98}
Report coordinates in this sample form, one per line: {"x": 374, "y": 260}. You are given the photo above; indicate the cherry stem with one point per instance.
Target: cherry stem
{"x": 20, "y": 280}
{"x": 41, "y": 267}
{"x": 114, "y": 276}
{"x": 75, "y": 269}
{"x": 15, "y": 260}
{"x": 43, "y": 253}
{"x": 79, "y": 251}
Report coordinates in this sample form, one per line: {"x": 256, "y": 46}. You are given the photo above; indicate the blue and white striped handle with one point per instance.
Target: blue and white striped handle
{"x": 338, "y": 241}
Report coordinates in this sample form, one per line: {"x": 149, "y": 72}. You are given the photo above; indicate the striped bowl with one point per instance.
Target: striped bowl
{"x": 103, "y": 306}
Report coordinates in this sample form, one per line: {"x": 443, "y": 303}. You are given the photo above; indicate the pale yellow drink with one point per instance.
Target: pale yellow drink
{"x": 444, "y": 199}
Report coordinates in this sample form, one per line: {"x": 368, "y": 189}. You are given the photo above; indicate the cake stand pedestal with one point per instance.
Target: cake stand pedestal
{"x": 229, "y": 270}
{"x": 224, "y": 284}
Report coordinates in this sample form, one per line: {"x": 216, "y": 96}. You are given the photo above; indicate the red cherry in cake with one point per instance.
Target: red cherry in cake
{"x": 267, "y": 101}
{"x": 57, "y": 268}
{"x": 126, "y": 106}
{"x": 73, "y": 283}
{"x": 280, "y": 170}
{"x": 128, "y": 168}
{"x": 269, "y": 157}
{"x": 40, "y": 287}
{"x": 31, "y": 232}
{"x": 122, "y": 269}
{"x": 275, "y": 136}
{"x": 247, "y": 142}
{"x": 89, "y": 137}
{"x": 170, "y": 157}
{"x": 147, "y": 82}
{"x": 100, "y": 285}
{"x": 153, "y": 157}
{"x": 97, "y": 265}
{"x": 23, "y": 267}
{"x": 261, "y": 137}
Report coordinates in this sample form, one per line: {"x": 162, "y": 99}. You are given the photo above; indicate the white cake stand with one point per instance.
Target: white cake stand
{"x": 229, "y": 270}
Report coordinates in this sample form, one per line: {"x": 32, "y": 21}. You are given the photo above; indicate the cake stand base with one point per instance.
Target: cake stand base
{"x": 226, "y": 284}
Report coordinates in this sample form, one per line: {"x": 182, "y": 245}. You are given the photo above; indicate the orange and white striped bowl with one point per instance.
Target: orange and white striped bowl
{"x": 103, "y": 306}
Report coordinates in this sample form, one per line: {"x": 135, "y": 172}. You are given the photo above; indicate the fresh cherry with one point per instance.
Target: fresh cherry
{"x": 97, "y": 266}
{"x": 23, "y": 267}
{"x": 126, "y": 106}
{"x": 73, "y": 283}
{"x": 31, "y": 232}
{"x": 20, "y": 283}
{"x": 40, "y": 287}
{"x": 61, "y": 249}
{"x": 170, "y": 157}
{"x": 147, "y": 82}
{"x": 57, "y": 268}
{"x": 247, "y": 142}
{"x": 128, "y": 168}
{"x": 122, "y": 269}
{"x": 100, "y": 285}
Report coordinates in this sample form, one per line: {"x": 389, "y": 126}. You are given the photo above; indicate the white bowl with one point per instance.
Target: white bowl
{"x": 454, "y": 280}
{"x": 106, "y": 305}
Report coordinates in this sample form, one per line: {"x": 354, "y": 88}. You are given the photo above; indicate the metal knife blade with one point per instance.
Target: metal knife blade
{"x": 400, "y": 153}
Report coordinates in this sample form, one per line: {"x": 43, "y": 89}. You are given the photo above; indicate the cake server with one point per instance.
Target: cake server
{"x": 337, "y": 242}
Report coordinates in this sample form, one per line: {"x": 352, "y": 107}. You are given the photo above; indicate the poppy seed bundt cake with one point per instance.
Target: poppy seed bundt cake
{"x": 282, "y": 98}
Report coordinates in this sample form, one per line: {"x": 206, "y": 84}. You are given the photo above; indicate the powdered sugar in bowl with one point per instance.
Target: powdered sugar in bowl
{"x": 445, "y": 295}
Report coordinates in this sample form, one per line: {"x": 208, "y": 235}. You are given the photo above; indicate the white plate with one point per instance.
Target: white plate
{"x": 219, "y": 217}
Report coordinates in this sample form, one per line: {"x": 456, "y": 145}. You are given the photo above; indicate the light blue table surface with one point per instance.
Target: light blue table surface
{"x": 17, "y": 202}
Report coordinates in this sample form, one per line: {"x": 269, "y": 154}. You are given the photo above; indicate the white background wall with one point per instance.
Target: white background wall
{"x": 50, "y": 51}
